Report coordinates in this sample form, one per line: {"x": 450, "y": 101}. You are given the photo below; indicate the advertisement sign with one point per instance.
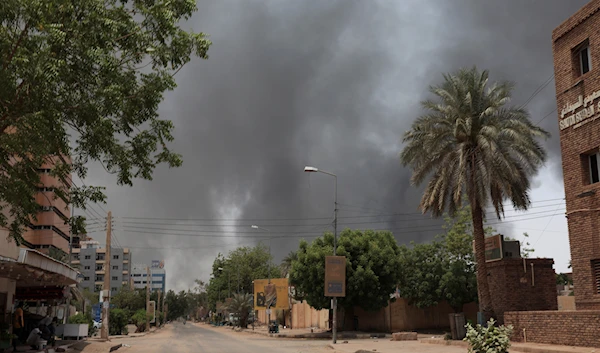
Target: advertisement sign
{"x": 335, "y": 276}
{"x": 158, "y": 264}
{"x": 273, "y": 295}
{"x": 152, "y": 311}
{"x": 493, "y": 248}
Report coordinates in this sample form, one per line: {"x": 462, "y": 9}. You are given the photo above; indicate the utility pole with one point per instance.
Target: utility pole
{"x": 158, "y": 303}
{"x": 106, "y": 298}
{"x": 166, "y": 308}
{"x": 148, "y": 279}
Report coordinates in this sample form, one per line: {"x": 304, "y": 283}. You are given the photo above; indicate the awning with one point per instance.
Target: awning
{"x": 34, "y": 269}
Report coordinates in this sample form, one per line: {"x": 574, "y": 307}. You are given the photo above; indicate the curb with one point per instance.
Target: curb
{"x": 319, "y": 336}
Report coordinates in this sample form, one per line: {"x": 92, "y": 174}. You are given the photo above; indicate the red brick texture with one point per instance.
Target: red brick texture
{"x": 514, "y": 288}
{"x": 577, "y": 140}
{"x": 573, "y": 328}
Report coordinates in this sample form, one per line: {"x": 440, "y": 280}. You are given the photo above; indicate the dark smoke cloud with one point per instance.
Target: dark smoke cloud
{"x": 332, "y": 84}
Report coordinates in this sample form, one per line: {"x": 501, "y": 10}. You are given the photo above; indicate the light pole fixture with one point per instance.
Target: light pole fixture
{"x": 309, "y": 169}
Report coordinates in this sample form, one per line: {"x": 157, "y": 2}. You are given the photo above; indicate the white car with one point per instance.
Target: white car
{"x": 97, "y": 324}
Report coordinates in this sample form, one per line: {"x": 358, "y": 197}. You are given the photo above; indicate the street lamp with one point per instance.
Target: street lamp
{"x": 220, "y": 269}
{"x": 309, "y": 169}
{"x": 268, "y": 269}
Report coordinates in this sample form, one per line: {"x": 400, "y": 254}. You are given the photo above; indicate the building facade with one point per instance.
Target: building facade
{"x": 139, "y": 275}
{"x": 576, "y": 47}
{"x": 49, "y": 231}
{"x": 91, "y": 259}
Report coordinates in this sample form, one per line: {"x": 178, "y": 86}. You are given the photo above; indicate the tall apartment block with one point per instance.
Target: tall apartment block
{"x": 92, "y": 264}
{"x": 49, "y": 231}
{"x": 576, "y": 47}
{"x": 139, "y": 275}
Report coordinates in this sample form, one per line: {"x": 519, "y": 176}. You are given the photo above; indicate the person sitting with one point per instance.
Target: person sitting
{"x": 35, "y": 338}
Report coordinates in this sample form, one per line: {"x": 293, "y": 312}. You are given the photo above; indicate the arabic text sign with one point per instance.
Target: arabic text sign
{"x": 335, "y": 276}
{"x": 579, "y": 117}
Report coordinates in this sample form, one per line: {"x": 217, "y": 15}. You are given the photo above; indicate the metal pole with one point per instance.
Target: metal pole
{"x": 335, "y": 210}
{"x": 269, "y": 276}
{"x": 238, "y": 279}
{"x": 106, "y": 298}
{"x": 148, "y": 279}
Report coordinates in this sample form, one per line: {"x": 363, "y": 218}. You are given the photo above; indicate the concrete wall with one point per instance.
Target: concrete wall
{"x": 573, "y": 328}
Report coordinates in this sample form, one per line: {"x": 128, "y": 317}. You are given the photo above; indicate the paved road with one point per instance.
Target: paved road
{"x": 190, "y": 338}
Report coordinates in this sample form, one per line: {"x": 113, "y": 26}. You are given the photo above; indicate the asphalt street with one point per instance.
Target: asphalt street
{"x": 192, "y": 338}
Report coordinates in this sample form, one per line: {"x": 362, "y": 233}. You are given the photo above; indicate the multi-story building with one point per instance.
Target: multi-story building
{"x": 90, "y": 258}
{"x": 139, "y": 275}
{"x": 49, "y": 231}
{"x": 576, "y": 47}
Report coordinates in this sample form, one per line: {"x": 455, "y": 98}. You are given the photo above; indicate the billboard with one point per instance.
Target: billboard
{"x": 158, "y": 264}
{"x": 493, "y": 248}
{"x": 152, "y": 311}
{"x": 335, "y": 276}
{"x": 273, "y": 295}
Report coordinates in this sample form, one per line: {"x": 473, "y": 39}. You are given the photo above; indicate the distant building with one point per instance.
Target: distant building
{"x": 139, "y": 275}
{"x": 576, "y": 47}
{"x": 90, "y": 258}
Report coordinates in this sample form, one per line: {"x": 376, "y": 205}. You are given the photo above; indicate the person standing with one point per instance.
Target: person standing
{"x": 18, "y": 325}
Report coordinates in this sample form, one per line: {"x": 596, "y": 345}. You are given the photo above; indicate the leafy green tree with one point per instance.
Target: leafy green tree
{"x": 242, "y": 265}
{"x": 471, "y": 143}
{"x": 119, "y": 318}
{"x": 129, "y": 299}
{"x": 443, "y": 269}
{"x": 372, "y": 263}
{"x": 90, "y": 73}
{"x": 562, "y": 279}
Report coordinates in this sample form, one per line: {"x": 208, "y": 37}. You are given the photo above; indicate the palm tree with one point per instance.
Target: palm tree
{"x": 241, "y": 305}
{"x": 286, "y": 263}
{"x": 470, "y": 143}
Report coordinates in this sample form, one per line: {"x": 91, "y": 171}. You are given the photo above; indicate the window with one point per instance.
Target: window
{"x": 115, "y": 257}
{"x": 136, "y": 275}
{"x": 114, "y": 289}
{"x": 88, "y": 257}
{"x": 86, "y": 267}
{"x": 115, "y": 278}
{"x": 99, "y": 267}
{"x": 596, "y": 272}
{"x": 98, "y": 288}
{"x": 115, "y": 267}
{"x": 99, "y": 278}
{"x": 585, "y": 59}
{"x": 594, "y": 166}
{"x": 99, "y": 257}
{"x": 86, "y": 278}
{"x": 137, "y": 282}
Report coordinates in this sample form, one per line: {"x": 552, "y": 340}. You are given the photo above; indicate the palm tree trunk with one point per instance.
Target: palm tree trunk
{"x": 485, "y": 299}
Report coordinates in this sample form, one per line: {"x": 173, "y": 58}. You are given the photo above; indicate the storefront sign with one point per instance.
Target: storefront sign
{"x": 579, "y": 117}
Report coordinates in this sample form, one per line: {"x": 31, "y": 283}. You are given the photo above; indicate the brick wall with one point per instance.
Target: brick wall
{"x": 573, "y": 328}
{"x": 513, "y": 287}
{"x": 582, "y": 198}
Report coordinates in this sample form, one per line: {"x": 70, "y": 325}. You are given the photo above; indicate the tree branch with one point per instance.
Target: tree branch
{"x": 12, "y": 54}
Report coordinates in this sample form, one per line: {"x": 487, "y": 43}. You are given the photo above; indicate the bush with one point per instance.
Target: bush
{"x": 139, "y": 320}
{"x": 81, "y": 318}
{"x": 490, "y": 339}
{"x": 117, "y": 323}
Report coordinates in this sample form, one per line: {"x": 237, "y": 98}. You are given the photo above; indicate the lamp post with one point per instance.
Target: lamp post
{"x": 309, "y": 169}
{"x": 268, "y": 268}
{"x": 220, "y": 271}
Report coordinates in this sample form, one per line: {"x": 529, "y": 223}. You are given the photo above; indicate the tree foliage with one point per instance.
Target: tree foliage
{"x": 242, "y": 265}
{"x": 372, "y": 262}
{"x": 241, "y": 305}
{"x": 444, "y": 269}
{"x": 470, "y": 143}
{"x": 91, "y": 73}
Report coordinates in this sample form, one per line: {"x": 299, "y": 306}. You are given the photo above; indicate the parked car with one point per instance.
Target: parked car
{"x": 97, "y": 324}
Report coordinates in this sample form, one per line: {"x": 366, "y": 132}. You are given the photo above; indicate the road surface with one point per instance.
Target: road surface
{"x": 191, "y": 338}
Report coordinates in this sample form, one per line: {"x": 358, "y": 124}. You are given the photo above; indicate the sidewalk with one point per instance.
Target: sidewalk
{"x": 517, "y": 347}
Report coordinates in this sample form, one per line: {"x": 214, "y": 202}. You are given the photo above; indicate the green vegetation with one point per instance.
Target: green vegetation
{"x": 88, "y": 74}
{"x": 372, "y": 263}
{"x": 470, "y": 143}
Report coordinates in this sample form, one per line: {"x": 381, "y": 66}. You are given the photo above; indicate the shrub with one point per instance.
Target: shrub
{"x": 490, "y": 339}
{"x": 118, "y": 321}
{"x": 139, "y": 320}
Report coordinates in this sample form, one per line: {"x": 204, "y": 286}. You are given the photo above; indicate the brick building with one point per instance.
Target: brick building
{"x": 576, "y": 47}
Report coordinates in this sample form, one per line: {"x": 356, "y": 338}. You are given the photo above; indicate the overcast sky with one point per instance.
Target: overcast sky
{"x": 332, "y": 84}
